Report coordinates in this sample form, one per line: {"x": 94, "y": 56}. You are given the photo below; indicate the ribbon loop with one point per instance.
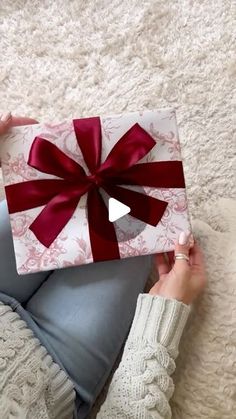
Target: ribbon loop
{"x": 132, "y": 147}
{"x": 47, "y": 158}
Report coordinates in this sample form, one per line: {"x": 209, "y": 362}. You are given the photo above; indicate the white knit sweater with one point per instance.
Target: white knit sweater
{"x": 141, "y": 387}
{"x": 32, "y": 386}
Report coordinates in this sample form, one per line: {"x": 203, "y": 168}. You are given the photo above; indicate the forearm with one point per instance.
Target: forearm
{"x": 142, "y": 386}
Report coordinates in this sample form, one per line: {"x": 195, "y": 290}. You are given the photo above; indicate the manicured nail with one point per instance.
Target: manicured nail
{"x": 5, "y": 117}
{"x": 183, "y": 238}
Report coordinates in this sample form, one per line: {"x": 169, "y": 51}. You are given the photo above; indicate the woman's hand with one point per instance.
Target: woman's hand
{"x": 179, "y": 279}
{"x": 7, "y": 121}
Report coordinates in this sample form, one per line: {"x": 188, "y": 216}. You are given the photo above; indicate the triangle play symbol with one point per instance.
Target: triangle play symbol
{"x": 117, "y": 209}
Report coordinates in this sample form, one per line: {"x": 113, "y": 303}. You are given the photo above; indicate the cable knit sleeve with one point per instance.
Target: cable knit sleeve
{"x": 142, "y": 385}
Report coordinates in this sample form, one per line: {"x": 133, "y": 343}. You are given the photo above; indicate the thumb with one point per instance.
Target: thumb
{"x": 5, "y": 122}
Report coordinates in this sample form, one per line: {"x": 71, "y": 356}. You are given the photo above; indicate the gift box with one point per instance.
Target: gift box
{"x": 60, "y": 177}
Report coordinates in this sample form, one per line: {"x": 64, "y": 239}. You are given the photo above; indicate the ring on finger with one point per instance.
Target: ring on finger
{"x": 181, "y": 256}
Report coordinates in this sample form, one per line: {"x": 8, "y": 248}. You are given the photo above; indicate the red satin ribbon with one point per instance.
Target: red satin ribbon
{"x": 61, "y": 196}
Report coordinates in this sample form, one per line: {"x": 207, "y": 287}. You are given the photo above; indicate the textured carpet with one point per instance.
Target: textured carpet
{"x": 66, "y": 59}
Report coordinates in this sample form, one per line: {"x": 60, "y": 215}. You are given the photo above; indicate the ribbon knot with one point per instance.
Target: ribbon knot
{"x": 60, "y": 196}
{"x": 95, "y": 179}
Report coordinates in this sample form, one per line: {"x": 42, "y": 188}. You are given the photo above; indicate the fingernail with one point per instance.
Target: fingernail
{"x": 5, "y": 117}
{"x": 183, "y": 238}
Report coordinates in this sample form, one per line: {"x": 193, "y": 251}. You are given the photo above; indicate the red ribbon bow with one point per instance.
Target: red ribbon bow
{"x": 61, "y": 196}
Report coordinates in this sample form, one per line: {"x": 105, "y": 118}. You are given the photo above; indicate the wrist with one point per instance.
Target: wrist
{"x": 170, "y": 295}
{"x": 159, "y": 320}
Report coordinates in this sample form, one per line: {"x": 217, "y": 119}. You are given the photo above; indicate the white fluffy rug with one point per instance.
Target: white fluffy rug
{"x": 64, "y": 59}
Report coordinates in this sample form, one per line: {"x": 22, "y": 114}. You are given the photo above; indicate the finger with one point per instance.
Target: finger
{"x": 5, "y": 122}
{"x": 196, "y": 256}
{"x": 161, "y": 264}
{"x": 191, "y": 241}
{"x": 21, "y": 120}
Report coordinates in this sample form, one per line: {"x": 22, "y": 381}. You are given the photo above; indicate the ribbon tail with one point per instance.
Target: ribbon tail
{"x": 53, "y": 218}
{"x": 104, "y": 246}
{"x": 34, "y": 193}
{"x": 143, "y": 207}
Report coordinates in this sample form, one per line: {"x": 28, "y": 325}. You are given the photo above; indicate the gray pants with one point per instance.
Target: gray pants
{"x": 82, "y": 315}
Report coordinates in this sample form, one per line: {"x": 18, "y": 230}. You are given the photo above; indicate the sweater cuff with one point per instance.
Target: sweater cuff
{"x": 159, "y": 320}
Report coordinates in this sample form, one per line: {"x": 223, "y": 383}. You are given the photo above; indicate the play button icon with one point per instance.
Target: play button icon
{"x": 127, "y": 227}
{"x": 116, "y": 209}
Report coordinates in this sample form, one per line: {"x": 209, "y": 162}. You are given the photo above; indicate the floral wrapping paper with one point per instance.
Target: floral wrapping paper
{"x": 72, "y": 246}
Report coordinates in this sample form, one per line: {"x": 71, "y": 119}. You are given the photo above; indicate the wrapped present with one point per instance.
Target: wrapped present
{"x": 60, "y": 177}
